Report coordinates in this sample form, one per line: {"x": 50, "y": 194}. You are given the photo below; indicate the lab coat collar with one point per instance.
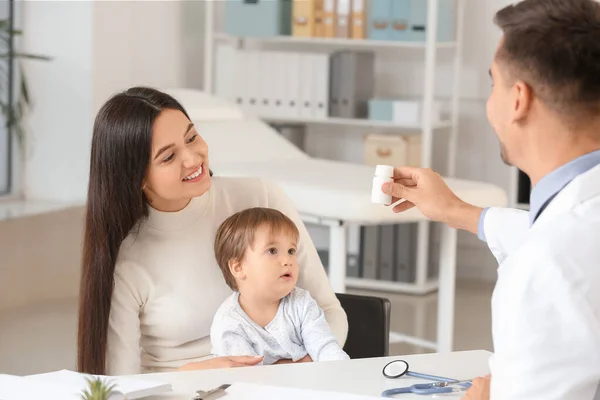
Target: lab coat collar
{"x": 549, "y": 186}
{"x": 584, "y": 187}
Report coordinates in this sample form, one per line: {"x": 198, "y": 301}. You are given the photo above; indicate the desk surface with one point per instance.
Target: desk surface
{"x": 355, "y": 376}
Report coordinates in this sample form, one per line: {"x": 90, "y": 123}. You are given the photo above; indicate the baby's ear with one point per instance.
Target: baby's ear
{"x": 236, "y": 268}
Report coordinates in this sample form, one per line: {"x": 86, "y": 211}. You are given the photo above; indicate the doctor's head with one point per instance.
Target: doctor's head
{"x": 545, "y": 97}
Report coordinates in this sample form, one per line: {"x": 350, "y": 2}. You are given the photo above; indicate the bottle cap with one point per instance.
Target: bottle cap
{"x": 385, "y": 171}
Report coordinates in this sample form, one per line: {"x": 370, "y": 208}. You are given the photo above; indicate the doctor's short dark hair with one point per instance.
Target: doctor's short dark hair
{"x": 236, "y": 234}
{"x": 554, "y": 46}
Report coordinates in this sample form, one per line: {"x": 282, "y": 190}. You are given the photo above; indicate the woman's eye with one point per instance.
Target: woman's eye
{"x": 192, "y": 138}
{"x": 169, "y": 158}
{"x": 292, "y": 252}
{"x": 272, "y": 250}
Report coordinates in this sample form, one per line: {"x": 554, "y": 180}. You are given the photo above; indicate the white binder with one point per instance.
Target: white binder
{"x": 320, "y": 85}
{"x": 306, "y": 84}
{"x": 225, "y": 82}
{"x": 291, "y": 84}
{"x": 252, "y": 76}
{"x": 277, "y": 85}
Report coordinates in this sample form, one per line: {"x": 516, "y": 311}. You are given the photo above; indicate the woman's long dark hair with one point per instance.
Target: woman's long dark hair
{"x": 121, "y": 146}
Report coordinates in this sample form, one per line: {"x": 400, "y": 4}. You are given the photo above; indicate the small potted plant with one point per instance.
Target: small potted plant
{"x": 97, "y": 389}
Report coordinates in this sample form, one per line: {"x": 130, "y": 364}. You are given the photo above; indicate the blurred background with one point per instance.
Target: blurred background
{"x": 72, "y": 55}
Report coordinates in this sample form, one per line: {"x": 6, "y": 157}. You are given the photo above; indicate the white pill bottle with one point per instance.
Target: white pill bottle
{"x": 383, "y": 174}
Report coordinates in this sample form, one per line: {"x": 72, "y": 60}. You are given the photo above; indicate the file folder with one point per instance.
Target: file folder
{"x": 335, "y": 84}
{"x": 319, "y": 18}
{"x": 445, "y": 23}
{"x": 406, "y": 245}
{"x": 344, "y": 8}
{"x": 330, "y": 15}
{"x": 306, "y": 85}
{"x": 258, "y": 17}
{"x": 359, "y": 19}
{"x": 403, "y": 18}
{"x": 380, "y": 19}
{"x": 369, "y": 251}
{"x": 320, "y": 86}
{"x": 387, "y": 264}
{"x": 304, "y": 18}
{"x": 357, "y": 86}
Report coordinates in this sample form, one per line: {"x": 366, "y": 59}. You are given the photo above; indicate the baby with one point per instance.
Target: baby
{"x": 267, "y": 315}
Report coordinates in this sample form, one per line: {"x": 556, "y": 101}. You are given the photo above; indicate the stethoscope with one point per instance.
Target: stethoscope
{"x": 399, "y": 368}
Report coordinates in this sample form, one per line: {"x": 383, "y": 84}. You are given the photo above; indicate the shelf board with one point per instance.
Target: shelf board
{"x": 348, "y": 122}
{"x": 339, "y": 42}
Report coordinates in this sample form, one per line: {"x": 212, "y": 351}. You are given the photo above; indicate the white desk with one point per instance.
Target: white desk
{"x": 355, "y": 376}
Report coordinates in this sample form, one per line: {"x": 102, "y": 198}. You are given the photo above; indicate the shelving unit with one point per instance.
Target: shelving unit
{"x": 428, "y": 50}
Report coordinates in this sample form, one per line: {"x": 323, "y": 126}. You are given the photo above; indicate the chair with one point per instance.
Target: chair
{"x": 368, "y": 325}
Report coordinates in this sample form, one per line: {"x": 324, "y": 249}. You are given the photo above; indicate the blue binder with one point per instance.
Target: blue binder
{"x": 379, "y": 19}
{"x": 258, "y": 17}
{"x": 446, "y": 21}
{"x": 406, "y": 20}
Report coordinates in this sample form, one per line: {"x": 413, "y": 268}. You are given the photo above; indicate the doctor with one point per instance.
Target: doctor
{"x": 545, "y": 109}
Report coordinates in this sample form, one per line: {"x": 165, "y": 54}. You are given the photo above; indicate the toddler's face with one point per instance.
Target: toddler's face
{"x": 270, "y": 265}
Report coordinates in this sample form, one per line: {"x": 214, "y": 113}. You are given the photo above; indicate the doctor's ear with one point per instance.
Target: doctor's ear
{"x": 522, "y": 100}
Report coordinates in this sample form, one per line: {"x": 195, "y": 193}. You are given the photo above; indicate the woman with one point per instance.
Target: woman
{"x": 150, "y": 284}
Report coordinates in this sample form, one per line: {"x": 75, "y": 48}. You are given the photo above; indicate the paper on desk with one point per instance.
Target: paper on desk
{"x": 69, "y": 385}
{"x": 252, "y": 391}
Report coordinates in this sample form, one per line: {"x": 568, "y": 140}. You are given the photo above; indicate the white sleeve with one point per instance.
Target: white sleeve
{"x": 319, "y": 341}
{"x": 312, "y": 274}
{"x": 228, "y": 338}
{"x": 545, "y": 334}
{"x": 123, "y": 352}
{"x": 505, "y": 230}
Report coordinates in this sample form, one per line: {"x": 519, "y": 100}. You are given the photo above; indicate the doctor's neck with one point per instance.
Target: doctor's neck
{"x": 558, "y": 143}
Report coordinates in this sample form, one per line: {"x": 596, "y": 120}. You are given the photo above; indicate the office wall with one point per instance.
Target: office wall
{"x": 98, "y": 48}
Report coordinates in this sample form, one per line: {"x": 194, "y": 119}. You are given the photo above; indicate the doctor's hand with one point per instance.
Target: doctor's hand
{"x": 426, "y": 190}
{"x": 480, "y": 390}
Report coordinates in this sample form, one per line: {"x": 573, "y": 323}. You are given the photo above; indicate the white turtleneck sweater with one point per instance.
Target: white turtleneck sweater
{"x": 168, "y": 285}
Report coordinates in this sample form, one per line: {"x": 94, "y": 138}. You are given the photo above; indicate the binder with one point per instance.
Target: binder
{"x": 225, "y": 85}
{"x": 335, "y": 84}
{"x": 403, "y": 18}
{"x": 241, "y": 89}
{"x": 258, "y": 18}
{"x": 357, "y": 83}
{"x": 319, "y": 18}
{"x": 343, "y": 18}
{"x": 303, "y": 18}
{"x": 277, "y": 86}
{"x": 306, "y": 85}
{"x": 264, "y": 79}
{"x": 369, "y": 251}
{"x": 291, "y": 84}
{"x": 406, "y": 242}
{"x": 320, "y": 86}
{"x": 379, "y": 19}
{"x": 387, "y": 263}
{"x": 359, "y": 20}
{"x": 330, "y": 15}
{"x": 253, "y": 86}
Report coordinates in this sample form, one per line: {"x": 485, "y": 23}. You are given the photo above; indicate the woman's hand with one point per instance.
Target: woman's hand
{"x": 223, "y": 362}
{"x": 306, "y": 358}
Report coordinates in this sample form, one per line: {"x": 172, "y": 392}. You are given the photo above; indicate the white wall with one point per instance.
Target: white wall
{"x": 99, "y": 48}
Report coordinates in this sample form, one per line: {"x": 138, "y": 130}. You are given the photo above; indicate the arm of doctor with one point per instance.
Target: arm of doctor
{"x": 318, "y": 339}
{"x": 503, "y": 229}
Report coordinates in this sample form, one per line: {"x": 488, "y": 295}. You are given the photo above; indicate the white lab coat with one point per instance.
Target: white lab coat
{"x": 546, "y": 304}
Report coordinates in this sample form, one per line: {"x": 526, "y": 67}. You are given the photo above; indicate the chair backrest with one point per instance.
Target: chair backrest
{"x": 368, "y": 325}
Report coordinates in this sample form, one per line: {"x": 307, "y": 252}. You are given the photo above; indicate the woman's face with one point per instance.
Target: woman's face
{"x": 178, "y": 168}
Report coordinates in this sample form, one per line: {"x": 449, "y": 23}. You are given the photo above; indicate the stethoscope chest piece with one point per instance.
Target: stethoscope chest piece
{"x": 395, "y": 369}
